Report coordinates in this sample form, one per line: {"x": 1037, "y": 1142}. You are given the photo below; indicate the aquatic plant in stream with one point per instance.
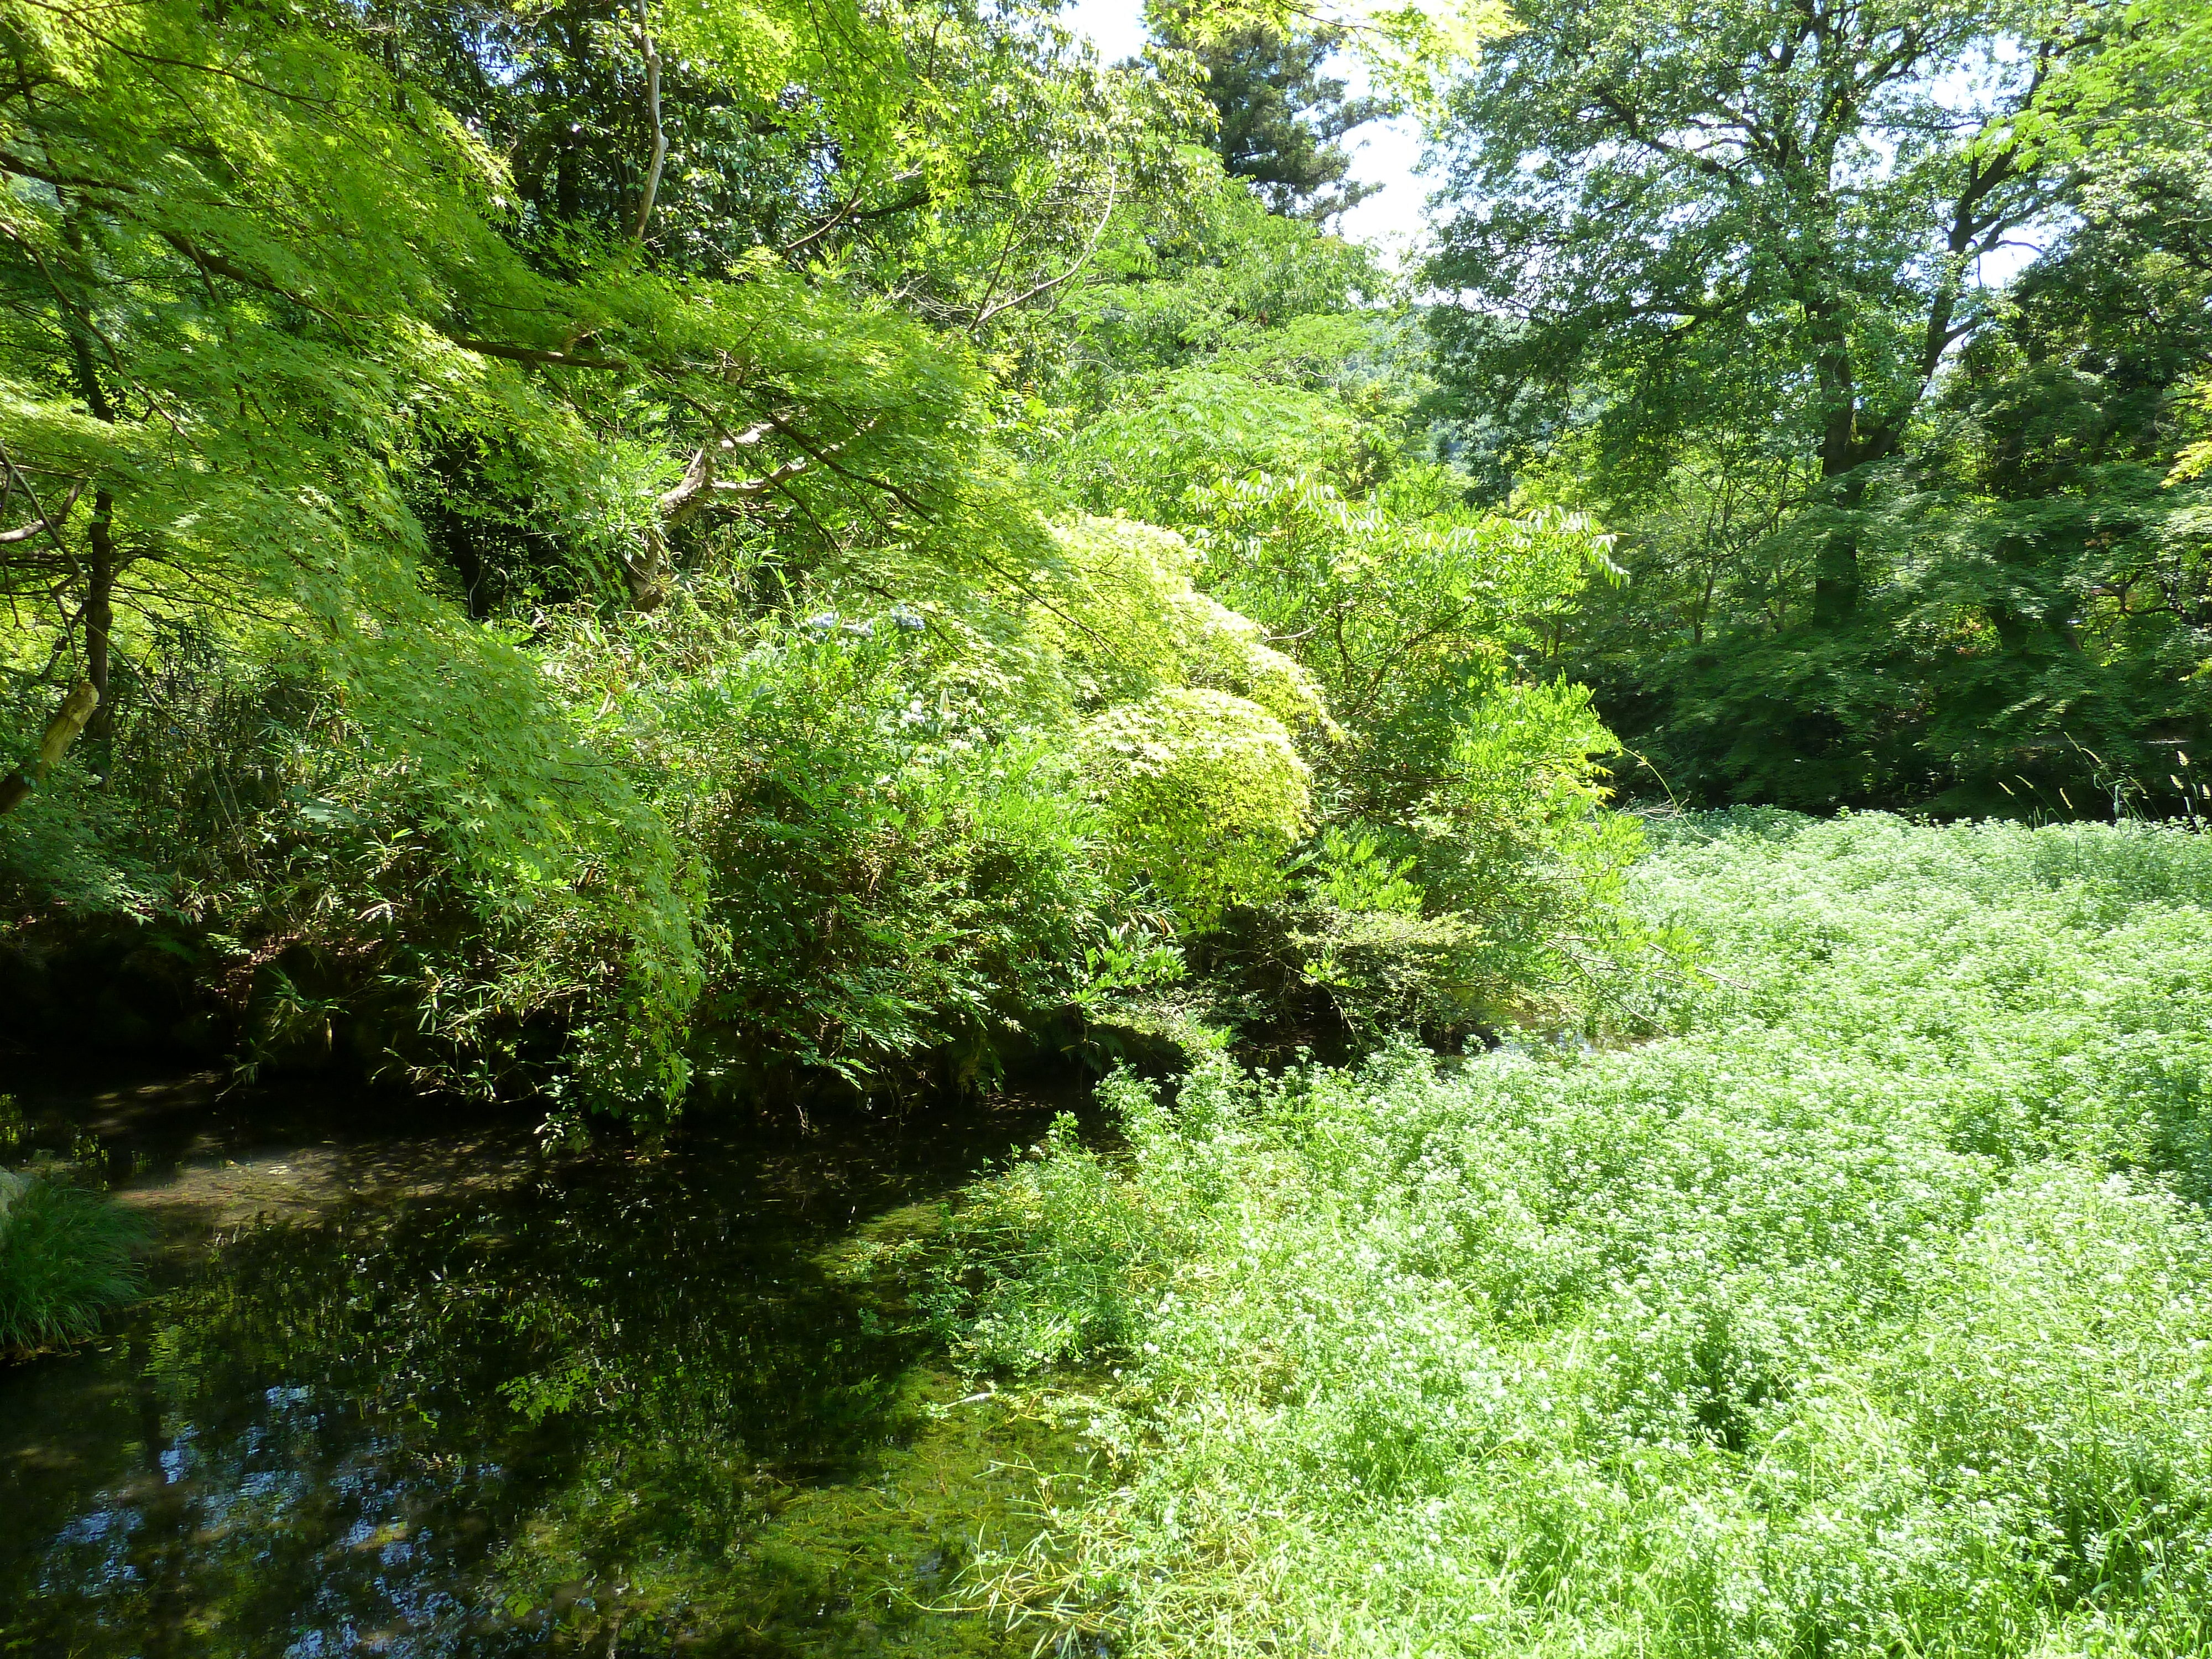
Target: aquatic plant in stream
{"x": 1867, "y": 1310}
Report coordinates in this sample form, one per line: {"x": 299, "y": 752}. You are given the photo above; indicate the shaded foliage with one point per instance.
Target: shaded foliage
{"x": 1894, "y": 531}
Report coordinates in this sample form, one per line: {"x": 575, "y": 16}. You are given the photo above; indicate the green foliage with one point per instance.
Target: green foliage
{"x": 1408, "y": 50}
{"x": 1408, "y": 608}
{"x": 1200, "y": 427}
{"x": 1223, "y": 274}
{"x": 2033, "y": 615}
{"x": 1202, "y": 793}
{"x": 1054, "y": 1259}
{"x": 1119, "y": 609}
{"x": 64, "y": 846}
{"x": 1895, "y": 533}
{"x": 657, "y": 620}
{"x": 241, "y": 386}
{"x": 1426, "y": 624}
{"x": 1713, "y": 214}
{"x": 890, "y": 867}
{"x": 1865, "y": 1310}
{"x": 67, "y": 1258}
{"x": 305, "y": 445}
{"x": 1286, "y": 448}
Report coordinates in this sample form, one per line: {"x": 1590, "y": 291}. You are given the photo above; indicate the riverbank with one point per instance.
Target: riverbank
{"x": 1864, "y": 1307}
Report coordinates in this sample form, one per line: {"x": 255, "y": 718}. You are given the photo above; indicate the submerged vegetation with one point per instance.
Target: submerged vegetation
{"x": 1866, "y": 1310}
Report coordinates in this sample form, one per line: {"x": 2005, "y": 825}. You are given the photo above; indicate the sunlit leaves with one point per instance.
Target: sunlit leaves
{"x": 1203, "y": 792}
{"x": 1859, "y": 1309}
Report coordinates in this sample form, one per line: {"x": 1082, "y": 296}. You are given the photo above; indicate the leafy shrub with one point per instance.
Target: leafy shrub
{"x": 1126, "y": 621}
{"x": 474, "y": 902}
{"x": 1202, "y": 794}
{"x": 1481, "y": 782}
{"x": 891, "y": 865}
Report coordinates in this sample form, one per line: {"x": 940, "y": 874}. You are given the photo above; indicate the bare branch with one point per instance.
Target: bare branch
{"x": 45, "y": 523}
{"x": 1112, "y": 187}
{"x": 522, "y": 354}
{"x": 660, "y": 132}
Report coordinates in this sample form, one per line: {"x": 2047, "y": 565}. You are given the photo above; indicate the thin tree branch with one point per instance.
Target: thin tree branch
{"x": 44, "y": 524}
{"x": 1112, "y": 187}
{"x": 660, "y": 132}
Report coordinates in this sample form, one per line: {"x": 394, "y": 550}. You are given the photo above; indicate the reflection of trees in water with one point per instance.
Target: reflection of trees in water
{"x": 289, "y": 1532}
{"x": 441, "y": 1428}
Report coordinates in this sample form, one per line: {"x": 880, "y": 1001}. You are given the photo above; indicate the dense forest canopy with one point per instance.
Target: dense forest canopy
{"x": 605, "y": 553}
{"x": 1901, "y": 531}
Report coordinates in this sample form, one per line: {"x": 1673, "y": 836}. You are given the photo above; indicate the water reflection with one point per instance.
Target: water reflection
{"x": 624, "y": 1401}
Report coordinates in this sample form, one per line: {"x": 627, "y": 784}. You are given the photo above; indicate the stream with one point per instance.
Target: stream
{"x": 406, "y": 1384}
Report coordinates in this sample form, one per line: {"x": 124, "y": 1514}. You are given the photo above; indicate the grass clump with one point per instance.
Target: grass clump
{"x": 67, "y": 1257}
{"x": 1866, "y": 1310}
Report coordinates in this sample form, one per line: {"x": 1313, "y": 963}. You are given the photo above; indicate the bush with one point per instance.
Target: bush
{"x": 1202, "y": 794}
{"x": 891, "y": 862}
{"x": 66, "y": 1259}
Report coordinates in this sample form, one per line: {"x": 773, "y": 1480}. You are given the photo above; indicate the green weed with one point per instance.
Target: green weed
{"x": 1867, "y": 1310}
{"x": 66, "y": 1258}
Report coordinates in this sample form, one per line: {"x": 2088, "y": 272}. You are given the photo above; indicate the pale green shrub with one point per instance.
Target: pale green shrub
{"x": 1125, "y": 619}
{"x": 1201, "y": 792}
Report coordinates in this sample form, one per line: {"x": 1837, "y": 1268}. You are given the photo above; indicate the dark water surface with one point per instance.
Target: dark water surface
{"x": 408, "y": 1385}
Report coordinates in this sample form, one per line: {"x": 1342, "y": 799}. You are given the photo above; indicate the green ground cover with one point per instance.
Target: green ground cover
{"x": 1866, "y": 1307}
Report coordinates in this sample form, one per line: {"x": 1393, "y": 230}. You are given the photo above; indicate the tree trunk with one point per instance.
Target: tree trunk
{"x": 99, "y": 607}
{"x": 1836, "y": 585}
{"x": 98, "y": 614}
{"x": 1836, "y": 567}
{"x": 61, "y": 731}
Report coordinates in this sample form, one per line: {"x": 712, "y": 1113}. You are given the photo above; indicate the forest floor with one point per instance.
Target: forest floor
{"x": 1867, "y": 1308}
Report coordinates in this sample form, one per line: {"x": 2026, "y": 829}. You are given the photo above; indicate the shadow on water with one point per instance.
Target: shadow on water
{"x": 421, "y": 1390}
